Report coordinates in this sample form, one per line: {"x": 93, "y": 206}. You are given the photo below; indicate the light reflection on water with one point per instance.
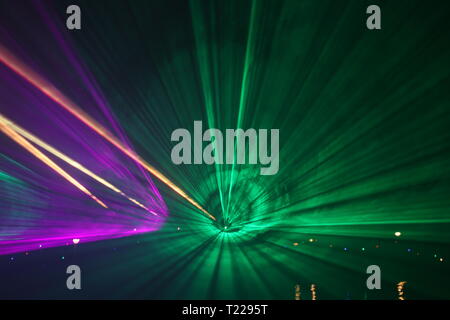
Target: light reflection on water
{"x": 313, "y": 289}
{"x": 313, "y": 292}
{"x": 400, "y": 290}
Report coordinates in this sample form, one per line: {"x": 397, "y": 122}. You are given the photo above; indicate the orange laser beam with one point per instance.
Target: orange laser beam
{"x": 53, "y": 93}
{"x": 38, "y": 154}
{"x": 29, "y": 136}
